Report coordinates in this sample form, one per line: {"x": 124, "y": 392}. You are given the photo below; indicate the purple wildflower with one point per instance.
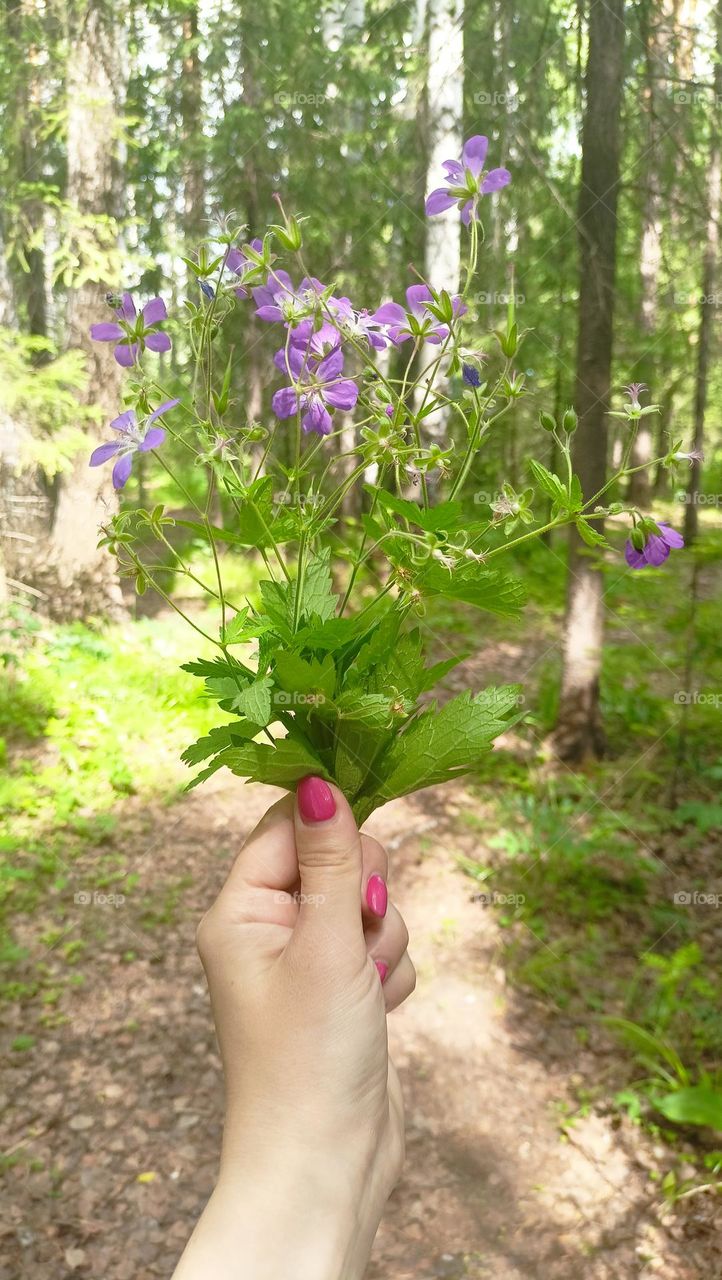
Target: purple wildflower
{"x": 467, "y": 181}
{"x": 634, "y": 391}
{"x": 357, "y": 324}
{"x": 207, "y": 289}
{"x": 135, "y": 437}
{"x": 317, "y": 386}
{"x": 278, "y": 301}
{"x": 416, "y": 321}
{"x": 656, "y": 549}
{"x": 471, "y": 375}
{"x": 314, "y": 343}
{"x": 134, "y": 332}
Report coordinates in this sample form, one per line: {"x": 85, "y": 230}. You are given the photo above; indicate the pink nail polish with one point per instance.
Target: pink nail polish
{"x": 383, "y": 969}
{"x": 377, "y": 895}
{"x": 315, "y": 800}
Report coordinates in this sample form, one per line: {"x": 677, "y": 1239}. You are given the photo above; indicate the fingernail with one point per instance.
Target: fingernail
{"x": 383, "y": 969}
{"x": 315, "y": 800}
{"x": 377, "y": 895}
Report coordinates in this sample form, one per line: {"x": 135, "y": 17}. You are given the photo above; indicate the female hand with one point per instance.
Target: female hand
{"x": 303, "y": 958}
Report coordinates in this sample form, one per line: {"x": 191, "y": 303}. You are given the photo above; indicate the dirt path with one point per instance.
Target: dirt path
{"x": 116, "y": 1112}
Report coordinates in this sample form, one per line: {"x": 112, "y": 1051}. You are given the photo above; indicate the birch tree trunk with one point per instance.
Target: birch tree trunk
{"x": 77, "y": 579}
{"x": 579, "y": 733}
{"x": 445, "y": 123}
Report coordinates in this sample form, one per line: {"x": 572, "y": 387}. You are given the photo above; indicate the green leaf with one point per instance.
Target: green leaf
{"x": 445, "y": 742}
{"x": 650, "y": 1049}
{"x": 299, "y": 675}
{"x": 487, "y": 589}
{"x": 317, "y": 596}
{"x": 254, "y": 702}
{"x": 547, "y": 481}
{"x": 373, "y": 709}
{"x": 590, "y": 535}
{"x": 696, "y": 1104}
{"x": 447, "y": 515}
{"x": 225, "y": 735}
{"x": 280, "y": 765}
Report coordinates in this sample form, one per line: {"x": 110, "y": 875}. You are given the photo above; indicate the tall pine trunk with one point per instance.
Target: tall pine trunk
{"x": 78, "y": 579}
{"x": 578, "y": 732}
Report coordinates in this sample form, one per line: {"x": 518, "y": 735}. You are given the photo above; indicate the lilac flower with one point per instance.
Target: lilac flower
{"x": 634, "y": 391}
{"x": 240, "y": 265}
{"x": 135, "y": 437}
{"x": 416, "y": 321}
{"x": 316, "y": 389}
{"x": 278, "y": 301}
{"x": 467, "y": 181}
{"x": 471, "y": 375}
{"x": 314, "y": 343}
{"x": 207, "y": 289}
{"x": 656, "y": 547}
{"x": 357, "y": 324}
{"x": 134, "y": 332}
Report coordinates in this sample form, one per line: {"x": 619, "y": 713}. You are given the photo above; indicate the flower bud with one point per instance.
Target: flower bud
{"x": 570, "y": 421}
{"x": 546, "y": 421}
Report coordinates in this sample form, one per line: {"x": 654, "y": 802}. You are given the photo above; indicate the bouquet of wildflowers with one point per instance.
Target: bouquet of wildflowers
{"x": 313, "y": 679}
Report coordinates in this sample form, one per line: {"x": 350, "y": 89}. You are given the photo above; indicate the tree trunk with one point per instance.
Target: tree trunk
{"x": 444, "y": 116}
{"x": 707, "y": 302}
{"x": 657, "y": 30}
{"x": 79, "y": 580}
{"x": 578, "y": 733}
{"x": 191, "y": 108}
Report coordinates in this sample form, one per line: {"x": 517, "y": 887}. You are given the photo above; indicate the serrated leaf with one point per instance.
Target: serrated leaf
{"x": 318, "y": 599}
{"x": 551, "y": 484}
{"x": 300, "y": 675}
{"x": 254, "y": 701}
{"x": 487, "y": 589}
{"x": 280, "y": 765}
{"x": 224, "y": 735}
{"x": 241, "y": 628}
{"x": 373, "y": 709}
{"x": 590, "y": 535}
{"x": 445, "y": 742}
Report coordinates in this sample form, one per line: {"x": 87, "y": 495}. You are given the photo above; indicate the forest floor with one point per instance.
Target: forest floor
{"x": 118, "y": 1117}
{"x": 531, "y": 1153}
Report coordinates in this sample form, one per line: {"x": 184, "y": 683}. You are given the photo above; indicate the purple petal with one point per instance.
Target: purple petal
{"x": 466, "y": 212}
{"x": 670, "y": 535}
{"x": 390, "y": 313}
{"x": 318, "y": 419}
{"x": 438, "y": 201}
{"x": 635, "y": 559}
{"x": 126, "y": 310}
{"x": 157, "y": 342}
{"x": 285, "y": 403}
{"x": 417, "y": 295}
{"x": 331, "y": 366}
{"x": 454, "y": 170}
{"x": 474, "y": 153}
{"x": 274, "y": 314}
{"x": 656, "y": 551}
{"x": 126, "y": 354}
{"x": 103, "y": 452}
{"x": 235, "y": 261}
{"x": 341, "y": 395}
{"x": 162, "y": 408}
{"x": 495, "y": 180}
{"x": 154, "y": 312}
{"x": 125, "y": 421}
{"x": 122, "y": 470}
{"x": 106, "y": 332}
{"x": 153, "y": 437}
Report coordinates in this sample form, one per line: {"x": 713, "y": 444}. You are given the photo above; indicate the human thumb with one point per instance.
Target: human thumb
{"x": 328, "y": 845}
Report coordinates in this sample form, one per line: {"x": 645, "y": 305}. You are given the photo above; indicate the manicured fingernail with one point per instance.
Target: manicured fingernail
{"x": 383, "y": 969}
{"x": 315, "y": 800}
{"x": 377, "y": 895}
